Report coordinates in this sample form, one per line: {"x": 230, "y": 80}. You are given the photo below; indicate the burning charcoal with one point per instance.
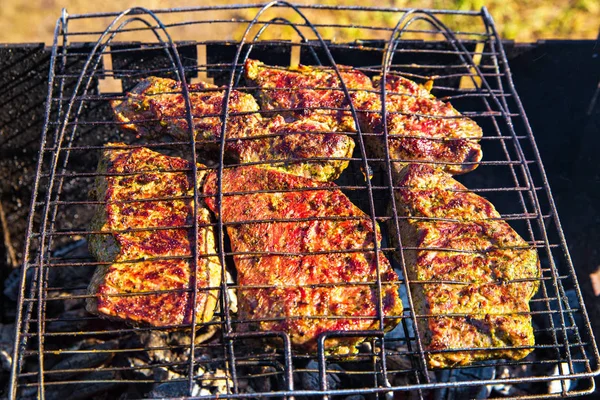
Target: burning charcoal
{"x": 356, "y": 397}
{"x": 219, "y": 382}
{"x": 74, "y": 304}
{"x": 173, "y": 346}
{"x": 29, "y": 393}
{"x": 243, "y": 385}
{"x": 400, "y": 362}
{"x": 12, "y": 283}
{"x": 5, "y": 357}
{"x": 503, "y": 389}
{"x": 262, "y": 379}
{"x": 365, "y": 347}
{"x": 86, "y": 390}
{"x": 69, "y": 321}
{"x": 75, "y": 276}
{"x": 162, "y": 374}
{"x": 156, "y": 339}
{"x": 76, "y": 249}
{"x": 516, "y": 371}
{"x": 7, "y": 338}
{"x": 169, "y": 346}
{"x": 397, "y": 360}
{"x": 58, "y": 276}
{"x": 485, "y": 372}
{"x": 96, "y": 357}
{"x": 205, "y": 334}
{"x": 71, "y": 276}
{"x": 309, "y": 380}
{"x": 174, "y": 389}
{"x": 137, "y": 365}
{"x": 556, "y": 386}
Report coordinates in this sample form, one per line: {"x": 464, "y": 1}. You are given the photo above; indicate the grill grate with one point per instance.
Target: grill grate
{"x": 60, "y": 349}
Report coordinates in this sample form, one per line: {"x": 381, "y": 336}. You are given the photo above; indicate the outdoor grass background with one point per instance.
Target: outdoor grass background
{"x": 520, "y": 20}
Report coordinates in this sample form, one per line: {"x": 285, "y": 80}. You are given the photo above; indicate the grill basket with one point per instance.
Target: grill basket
{"x": 60, "y": 350}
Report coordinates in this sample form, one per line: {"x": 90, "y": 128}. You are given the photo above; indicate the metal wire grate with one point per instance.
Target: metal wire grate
{"x": 60, "y": 349}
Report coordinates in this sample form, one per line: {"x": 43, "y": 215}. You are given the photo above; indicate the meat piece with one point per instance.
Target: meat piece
{"x": 487, "y": 273}
{"x": 420, "y": 128}
{"x": 156, "y": 106}
{"x": 306, "y": 147}
{"x": 312, "y": 92}
{"x": 143, "y": 214}
{"x": 303, "y": 292}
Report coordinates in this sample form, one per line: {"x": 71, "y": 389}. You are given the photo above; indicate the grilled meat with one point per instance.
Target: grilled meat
{"x": 310, "y": 92}
{"x": 156, "y": 106}
{"x": 143, "y": 216}
{"x": 420, "y": 127}
{"x": 303, "y": 293}
{"x": 487, "y": 273}
{"x": 304, "y": 147}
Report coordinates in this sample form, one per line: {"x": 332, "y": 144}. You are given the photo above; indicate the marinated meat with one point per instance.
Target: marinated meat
{"x": 310, "y": 92}
{"x": 305, "y": 147}
{"x": 156, "y": 106}
{"x": 144, "y": 210}
{"x": 306, "y": 276}
{"x": 420, "y": 128}
{"x": 472, "y": 276}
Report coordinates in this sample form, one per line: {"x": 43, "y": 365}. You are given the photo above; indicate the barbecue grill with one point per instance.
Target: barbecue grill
{"x": 60, "y": 349}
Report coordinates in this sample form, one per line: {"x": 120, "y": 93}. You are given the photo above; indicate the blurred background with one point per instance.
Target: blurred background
{"x": 519, "y": 20}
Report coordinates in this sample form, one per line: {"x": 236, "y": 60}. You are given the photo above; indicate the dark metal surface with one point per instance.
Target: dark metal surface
{"x": 511, "y": 175}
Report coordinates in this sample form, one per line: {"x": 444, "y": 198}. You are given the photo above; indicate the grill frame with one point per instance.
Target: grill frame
{"x": 42, "y": 273}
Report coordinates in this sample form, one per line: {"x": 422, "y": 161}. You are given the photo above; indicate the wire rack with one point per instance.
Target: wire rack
{"x": 60, "y": 350}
